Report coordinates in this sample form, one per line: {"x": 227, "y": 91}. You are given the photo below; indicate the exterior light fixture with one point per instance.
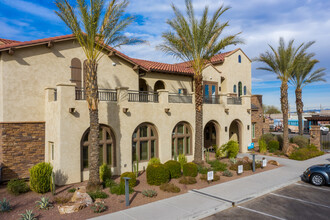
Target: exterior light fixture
{"x": 125, "y": 110}
{"x": 249, "y": 110}
{"x": 248, "y": 127}
{"x": 226, "y": 129}
{"x": 167, "y": 110}
{"x": 71, "y": 110}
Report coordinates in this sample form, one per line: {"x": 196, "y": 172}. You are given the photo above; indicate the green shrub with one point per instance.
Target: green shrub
{"x": 105, "y": 172}
{"x": 273, "y": 146}
{"x": 44, "y": 203}
{"x": 132, "y": 181}
{"x": 5, "y": 206}
{"x": 40, "y": 177}
{"x": 119, "y": 189}
{"x": 154, "y": 160}
{"x": 17, "y": 186}
{"x": 246, "y": 165}
{"x": 305, "y": 153}
{"x": 169, "y": 187}
{"x": 157, "y": 174}
{"x": 215, "y": 177}
{"x": 98, "y": 207}
{"x": 109, "y": 183}
{"x": 299, "y": 140}
{"x": 220, "y": 152}
{"x": 227, "y": 173}
{"x": 217, "y": 165}
{"x": 268, "y": 137}
{"x": 190, "y": 169}
{"x": 232, "y": 149}
{"x": 149, "y": 193}
{"x": 28, "y": 215}
{"x": 72, "y": 190}
{"x": 280, "y": 140}
{"x": 262, "y": 146}
{"x": 203, "y": 170}
{"x": 187, "y": 180}
{"x": 98, "y": 195}
{"x": 174, "y": 167}
{"x": 182, "y": 160}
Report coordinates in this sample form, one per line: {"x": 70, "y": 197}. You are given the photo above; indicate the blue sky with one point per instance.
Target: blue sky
{"x": 261, "y": 21}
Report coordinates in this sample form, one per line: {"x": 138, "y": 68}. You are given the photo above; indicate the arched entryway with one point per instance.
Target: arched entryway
{"x": 143, "y": 86}
{"x": 235, "y": 132}
{"x": 211, "y": 134}
{"x": 159, "y": 85}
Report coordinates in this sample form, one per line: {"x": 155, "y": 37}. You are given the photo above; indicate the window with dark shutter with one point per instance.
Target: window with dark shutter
{"x": 76, "y": 72}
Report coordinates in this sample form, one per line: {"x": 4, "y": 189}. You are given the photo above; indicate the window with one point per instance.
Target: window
{"x": 244, "y": 90}
{"x": 182, "y": 91}
{"x": 144, "y": 143}
{"x": 239, "y": 58}
{"x": 51, "y": 150}
{"x": 159, "y": 85}
{"x": 239, "y": 89}
{"x": 253, "y": 130}
{"x": 181, "y": 139}
{"x": 234, "y": 89}
{"x": 76, "y": 72}
{"x": 107, "y": 149}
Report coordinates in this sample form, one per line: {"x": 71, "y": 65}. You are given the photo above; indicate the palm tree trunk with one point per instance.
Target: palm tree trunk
{"x": 198, "y": 118}
{"x": 92, "y": 100}
{"x": 299, "y": 107}
{"x": 285, "y": 109}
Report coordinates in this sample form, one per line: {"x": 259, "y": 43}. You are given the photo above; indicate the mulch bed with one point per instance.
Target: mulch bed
{"x": 115, "y": 203}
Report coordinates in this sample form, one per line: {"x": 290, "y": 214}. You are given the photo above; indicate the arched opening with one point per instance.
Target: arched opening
{"x": 143, "y": 87}
{"x": 234, "y": 89}
{"x": 76, "y": 72}
{"x": 211, "y": 134}
{"x": 159, "y": 85}
{"x": 244, "y": 90}
{"x": 239, "y": 58}
{"x": 107, "y": 147}
{"x": 144, "y": 142}
{"x": 181, "y": 139}
{"x": 235, "y": 132}
{"x": 239, "y": 89}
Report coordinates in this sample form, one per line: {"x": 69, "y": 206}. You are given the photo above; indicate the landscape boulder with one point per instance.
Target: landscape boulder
{"x": 79, "y": 200}
{"x": 292, "y": 147}
{"x": 274, "y": 162}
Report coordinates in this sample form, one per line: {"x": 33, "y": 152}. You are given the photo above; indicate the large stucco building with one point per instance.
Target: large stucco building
{"x": 146, "y": 108}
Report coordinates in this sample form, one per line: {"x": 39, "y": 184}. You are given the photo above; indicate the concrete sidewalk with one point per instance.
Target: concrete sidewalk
{"x": 197, "y": 204}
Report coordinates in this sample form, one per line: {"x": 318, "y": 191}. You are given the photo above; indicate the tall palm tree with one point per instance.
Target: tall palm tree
{"x": 303, "y": 76}
{"x": 95, "y": 26}
{"x": 283, "y": 63}
{"x": 196, "y": 41}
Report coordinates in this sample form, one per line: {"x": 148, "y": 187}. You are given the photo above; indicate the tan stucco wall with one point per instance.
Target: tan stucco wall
{"x": 211, "y": 74}
{"x": 1, "y": 89}
{"x": 30, "y": 70}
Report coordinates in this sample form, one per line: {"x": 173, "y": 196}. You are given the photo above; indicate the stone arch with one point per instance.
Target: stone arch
{"x": 143, "y": 85}
{"x": 182, "y": 139}
{"x": 236, "y": 132}
{"x": 159, "y": 85}
{"x": 211, "y": 134}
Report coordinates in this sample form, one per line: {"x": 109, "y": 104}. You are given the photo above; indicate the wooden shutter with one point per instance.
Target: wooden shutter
{"x": 76, "y": 72}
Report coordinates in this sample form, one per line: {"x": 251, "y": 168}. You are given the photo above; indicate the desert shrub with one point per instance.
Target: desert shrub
{"x": 72, "y": 190}
{"x": 280, "y": 140}
{"x": 227, "y": 173}
{"x": 132, "y": 181}
{"x": 174, "y": 167}
{"x": 202, "y": 169}
{"x": 217, "y": 165}
{"x": 262, "y": 146}
{"x": 98, "y": 207}
{"x": 119, "y": 189}
{"x": 182, "y": 160}
{"x": 40, "y": 177}
{"x": 44, "y": 203}
{"x": 268, "y": 137}
{"x": 279, "y": 153}
{"x": 154, "y": 160}
{"x": 220, "y": 152}
{"x": 157, "y": 174}
{"x": 246, "y": 165}
{"x": 5, "y": 206}
{"x": 190, "y": 169}
{"x": 187, "y": 180}
{"x": 61, "y": 199}
{"x": 299, "y": 140}
{"x": 109, "y": 182}
{"x": 169, "y": 187}
{"x": 273, "y": 146}
{"x": 28, "y": 215}
{"x": 232, "y": 149}
{"x": 17, "y": 186}
{"x": 215, "y": 177}
{"x": 98, "y": 195}
{"x": 149, "y": 193}
{"x": 105, "y": 172}
{"x": 305, "y": 153}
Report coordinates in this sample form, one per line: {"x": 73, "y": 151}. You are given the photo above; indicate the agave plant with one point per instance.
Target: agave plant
{"x": 28, "y": 215}
{"x": 44, "y": 203}
{"x": 5, "y": 206}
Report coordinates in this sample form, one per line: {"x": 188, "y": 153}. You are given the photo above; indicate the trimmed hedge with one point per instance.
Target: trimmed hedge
{"x": 40, "y": 177}
{"x": 132, "y": 181}
{"x": 174, "y": 167}
{"x": 154, "y": 160}
{"x": 157, "y": 174}
{"x": 273, "y": 146}
{"x": 190, "y": 169}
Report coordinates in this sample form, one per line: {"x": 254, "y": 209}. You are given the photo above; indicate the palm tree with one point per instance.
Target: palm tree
{"x": 303, "y": 76}
{"x": 196, "y": 41}
{"x": 283, "y": 63}
{"x": 95, "y": 26}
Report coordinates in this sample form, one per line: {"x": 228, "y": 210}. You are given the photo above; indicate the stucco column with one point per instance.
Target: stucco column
{"x": 315, "y": 136}
{"x": 246, "y": 101}
{"x": 163, "y": 96}
{"x": 50, "y": 94}
{"x": 223, "y": 98}
{"x": 122, "y": 95}
{"x": 66, "y": 93}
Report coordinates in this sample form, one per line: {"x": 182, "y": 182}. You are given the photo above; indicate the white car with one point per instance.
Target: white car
{"x": 324, "y": 130}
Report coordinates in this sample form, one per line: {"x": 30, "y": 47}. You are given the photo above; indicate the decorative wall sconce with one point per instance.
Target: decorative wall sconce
{"x": 125, "y": 110}
{"x": 226, "y": 129}
{"x": 167, "y": 110}
{"x": 227, "y": 110}
{"x": 248, "y": 127}
{"x": 71, "y": 110}
{"x": 249, "y": 110}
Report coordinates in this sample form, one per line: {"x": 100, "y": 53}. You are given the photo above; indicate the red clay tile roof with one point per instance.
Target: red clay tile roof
{"x": 7, "y": 41}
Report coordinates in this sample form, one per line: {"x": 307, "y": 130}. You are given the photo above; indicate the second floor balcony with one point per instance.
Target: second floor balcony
{"x": 234, "y": 101}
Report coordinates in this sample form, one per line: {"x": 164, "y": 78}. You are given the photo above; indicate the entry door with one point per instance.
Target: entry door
{"x": 210, "y": 91}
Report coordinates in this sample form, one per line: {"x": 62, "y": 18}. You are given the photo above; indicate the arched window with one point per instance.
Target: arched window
{"x": 144, "y": 142}
{"x": 239, "y": 58}
{"x": 159, "y": 85}
{"x": 239, "y": 89}
{"x": 76, "y": 72}
{"x": 234, "y": 89}
{"x": 107, "y": 147}
{"x": 244, "y": 90}
{"x": 181, "y": 139}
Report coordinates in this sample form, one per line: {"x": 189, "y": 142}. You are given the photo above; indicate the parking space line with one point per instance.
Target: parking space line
{"x": 262, "y": 213}
{"x": 314, "y": 187}
{"x": 300, "y": 200}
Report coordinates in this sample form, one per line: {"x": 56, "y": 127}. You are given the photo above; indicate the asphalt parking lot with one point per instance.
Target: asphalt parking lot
{"x": 297, "y": 201}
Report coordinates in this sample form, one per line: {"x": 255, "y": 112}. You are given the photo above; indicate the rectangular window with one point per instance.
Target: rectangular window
{"x": 109, "y": 154}
{"x": 180, "y": 146}
{"x": 152, "y": 150}
{"x": 51, "y": 150}
{"x": 134, "y": 151}
{"x": 101, "y": 155}
{"x": 144, "y": 131}
{"x": 85, "y": 157}
{"x": 253, "y": 130}
{"x": 188, "y": 145}
{"x": 182, "y": 91}
{"x": 144, "y": 150}
{"x": 180, "y": 129}
{"x": 173, "y": 144}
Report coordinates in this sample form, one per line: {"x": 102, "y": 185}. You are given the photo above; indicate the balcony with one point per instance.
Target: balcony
{"x": 212, "y": 99}
{"x": 234, "y": 101}
{"x": 104, "y": 94}
{"x": 179, "y": 98}
{"x": 142, "y": 96}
